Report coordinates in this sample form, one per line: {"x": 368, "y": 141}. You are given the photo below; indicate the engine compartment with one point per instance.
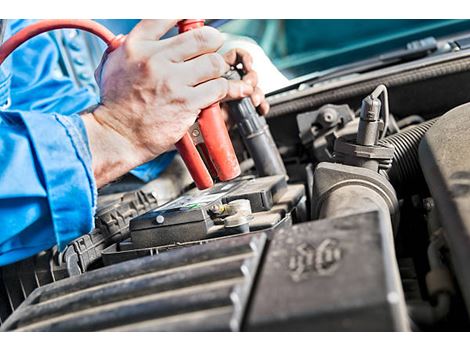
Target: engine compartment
{"x": 368, "y": 230}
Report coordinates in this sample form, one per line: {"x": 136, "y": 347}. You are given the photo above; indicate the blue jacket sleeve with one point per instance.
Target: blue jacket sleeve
{"x": 47, "y": 190}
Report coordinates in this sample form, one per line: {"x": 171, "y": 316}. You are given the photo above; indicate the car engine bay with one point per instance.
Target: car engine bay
{"x": 352, "y": 213}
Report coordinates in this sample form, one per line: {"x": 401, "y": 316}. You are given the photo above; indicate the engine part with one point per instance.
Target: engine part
{"x": 312, "y": 98}
{"x": 319, "y": 129}
{"x": 319, "y": 136}
{"x": 405, "y": 173}
{"x": 328, "y": 275}
{"x": 112, "y": 226}
{"x": 374, "y": 113}
{"x": 440, "y": 288}
{"x": 217, "y": 149}
{"x": 338, "y": 261}
{"x": 238, "y": 215}
{"x": 341, "y": 190}
{"x": 194, "y": 216}
{"x": 347, "y": 189}
{"x": 446, "y": 163}
{"x": 256, "y": 134}
{"x": 357, "y": 188}
{"x": 373, "y": 122}
{"x": 196, "y": 288}
{"x": 20, "y": 279}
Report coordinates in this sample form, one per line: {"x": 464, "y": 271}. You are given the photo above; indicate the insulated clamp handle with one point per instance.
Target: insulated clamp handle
{"x": 255, "y": 133}
{"x": 216, "y": 148}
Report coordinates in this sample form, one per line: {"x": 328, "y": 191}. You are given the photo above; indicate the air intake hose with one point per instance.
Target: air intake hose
{"x": 405, "y": 173}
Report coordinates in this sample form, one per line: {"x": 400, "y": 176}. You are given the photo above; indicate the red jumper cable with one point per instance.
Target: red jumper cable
{"x": 215, "y": 147}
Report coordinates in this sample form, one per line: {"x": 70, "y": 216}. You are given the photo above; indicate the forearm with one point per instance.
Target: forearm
{"x": 112, "y": 154}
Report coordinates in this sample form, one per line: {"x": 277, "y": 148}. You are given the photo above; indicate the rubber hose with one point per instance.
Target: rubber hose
{"x": 405, "y": 173}
{"x": 310, "y": 99}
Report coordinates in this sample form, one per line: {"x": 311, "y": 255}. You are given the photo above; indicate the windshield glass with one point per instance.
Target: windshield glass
{"x": 299, "y": 47}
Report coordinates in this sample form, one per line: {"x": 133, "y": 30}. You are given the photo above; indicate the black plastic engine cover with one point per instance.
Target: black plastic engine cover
{"x": 444, "y": 155}
{"x": 193, "y": 288}
{"x": 326, "y": 275}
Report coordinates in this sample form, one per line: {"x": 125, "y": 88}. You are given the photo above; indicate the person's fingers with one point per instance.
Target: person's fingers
{"x": 151, "y": 29}
{"x": 225, "y": 114}
{"x": 257, "y": 97}
{"x": 259, "y": 101}
{"x": 208, "y": 93}
{"x": 203, "y": 68}
{"x": 238, "y": 90}
{"x": 236, "y": 56}
{"x": 194, "y": 43}
{"x": 251, "y": 78}
{"x": 263, "y": 108}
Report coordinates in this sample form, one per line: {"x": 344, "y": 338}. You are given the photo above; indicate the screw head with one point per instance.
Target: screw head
{"x": 160, "y": 219}
{"x": 428, "y": 204}
{"x": 329, "y": 116}
{"x": 196, "y": 133}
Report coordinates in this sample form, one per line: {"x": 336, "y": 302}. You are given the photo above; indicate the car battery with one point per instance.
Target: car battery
{"x": 196, "y": 216}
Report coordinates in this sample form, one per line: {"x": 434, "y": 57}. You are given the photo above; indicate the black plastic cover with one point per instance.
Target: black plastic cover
{"x": 326, "y": 275}
{"x": 194, "y": 288}
{"x": 444, "y": 155}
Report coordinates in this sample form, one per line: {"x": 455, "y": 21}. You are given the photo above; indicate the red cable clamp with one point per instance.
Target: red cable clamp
{"x": 208, "y": 141}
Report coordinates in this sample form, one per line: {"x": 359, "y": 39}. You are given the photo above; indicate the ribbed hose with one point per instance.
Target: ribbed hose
{"x": 310, "y": 99}
{"x": 405, "y": 173}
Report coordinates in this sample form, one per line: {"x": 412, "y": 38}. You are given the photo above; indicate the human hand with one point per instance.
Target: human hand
{"x": 151, "y": 93}
{"x": 248, "y": 86}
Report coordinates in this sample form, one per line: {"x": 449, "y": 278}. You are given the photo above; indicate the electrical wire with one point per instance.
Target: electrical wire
{"x": 43, "y": 26}
{"x": 381, "y": 92}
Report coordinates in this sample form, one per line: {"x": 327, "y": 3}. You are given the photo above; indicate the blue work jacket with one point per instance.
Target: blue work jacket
{"x": 47, "y": 188}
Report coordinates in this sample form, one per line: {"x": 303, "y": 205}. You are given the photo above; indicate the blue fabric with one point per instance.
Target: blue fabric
{"x": 47, "y": 188}
{"x": 36, "y": 80}
{"x": 154, "y": 168}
